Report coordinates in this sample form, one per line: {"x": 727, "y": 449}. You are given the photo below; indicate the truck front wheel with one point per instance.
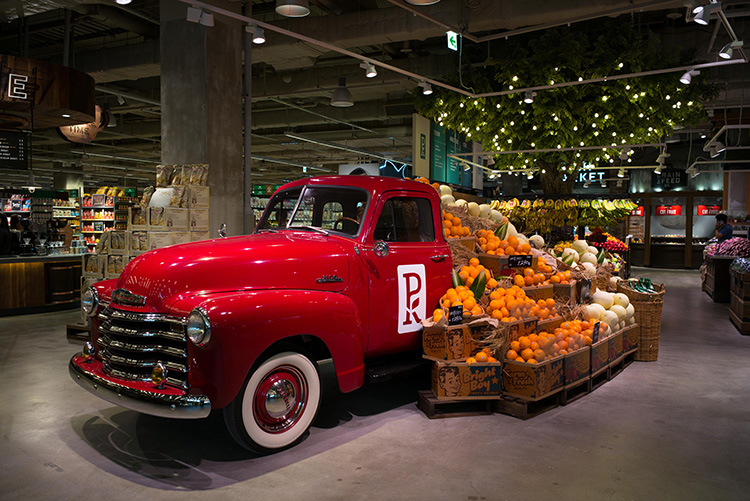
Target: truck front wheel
{"x": 277, "y": 404}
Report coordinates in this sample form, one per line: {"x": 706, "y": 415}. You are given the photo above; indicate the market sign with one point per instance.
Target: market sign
{"x": 637, "y": 212}
{"x": 85, "y": 133}
{"x": 708, "y": 210}
{"x": 669, "y": 179}
{"x": 590, "y": 176}
{"x": 669, "y": 210}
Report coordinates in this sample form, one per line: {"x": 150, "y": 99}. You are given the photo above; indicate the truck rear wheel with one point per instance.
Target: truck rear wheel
{"x": 277, "y": 405}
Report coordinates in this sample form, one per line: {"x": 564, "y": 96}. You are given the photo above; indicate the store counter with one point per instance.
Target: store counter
{"x": 34, "y": 284}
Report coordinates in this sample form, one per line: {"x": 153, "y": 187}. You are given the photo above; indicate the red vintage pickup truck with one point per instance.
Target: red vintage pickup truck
{"x": 340, "y": 267}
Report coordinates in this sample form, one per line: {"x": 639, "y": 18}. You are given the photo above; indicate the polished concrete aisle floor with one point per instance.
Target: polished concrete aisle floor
{"x": 675, "y": 429}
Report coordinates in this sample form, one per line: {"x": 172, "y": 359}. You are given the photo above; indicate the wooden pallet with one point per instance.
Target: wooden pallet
{"x": 438, "y": 409}
{"x": 599, "y": 378}
{"x": 743, "y": 327}
{"x": 525, "y": 409}
{"x": 78, "y": 332}
{"x": 574, "y": 391}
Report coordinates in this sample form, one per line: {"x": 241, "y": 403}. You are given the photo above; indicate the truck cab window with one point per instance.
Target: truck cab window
{"x": 405, "y": 219}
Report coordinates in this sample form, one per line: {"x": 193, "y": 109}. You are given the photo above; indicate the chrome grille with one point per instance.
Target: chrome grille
{"x": 131, "y": 344}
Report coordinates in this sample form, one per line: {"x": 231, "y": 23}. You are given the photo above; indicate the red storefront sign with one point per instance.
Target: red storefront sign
{"x": 708, "y": 210}
{"x": 637, "y": 212}
{"x": 669, "y": 210}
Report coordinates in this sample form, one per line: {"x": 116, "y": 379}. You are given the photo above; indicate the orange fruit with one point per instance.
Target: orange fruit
{"x": 550, "y": 303}
{"x": 481, "y": 356}
{"x": 515, "y": 346}
{"x": 520, "y": 359}
{"x": 532, "y": 361}
{"x": 513, "y": 241}
{"x": 524, "y": 342}
{"x": 471, "y": 360}
{"x": 527, "y": 354}
{"x": 539, "y": 355}
{"x": 473, "y": 262}
{"x": 491, "y": 360}
{"x": 512, "y": 355}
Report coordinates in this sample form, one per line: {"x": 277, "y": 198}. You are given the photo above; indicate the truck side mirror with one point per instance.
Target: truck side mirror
{"x": 223, "y": 230}
{"x": 380, "y": 248}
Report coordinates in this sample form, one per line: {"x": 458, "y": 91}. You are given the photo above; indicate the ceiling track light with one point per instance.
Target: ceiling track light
{"x": 120, "y": 100}
{"x": 529, "y": 97}
{"x": 292, "y": 8}
{"x": 687, "y": 77}
{"x": 703, "y": 15}
{"x": 624, "y": 153}
{"x": 422, "y": 2}
{"x": 198, "y": 15}
{"x": 342, "y": 98}
{"x": 370, "y": 71}
{"x": 586, "y": 184}
{"x": 257, "y": 33}
{"x": 426, "y": 87}
{"x": 123, "y": 2}
{"x": 727, "y": 51}
{"x": 621, "y": 173}
{"x": 658, "y": 169}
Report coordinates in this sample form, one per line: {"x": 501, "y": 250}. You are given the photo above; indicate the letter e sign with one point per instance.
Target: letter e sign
{"x": 412, "y": 297}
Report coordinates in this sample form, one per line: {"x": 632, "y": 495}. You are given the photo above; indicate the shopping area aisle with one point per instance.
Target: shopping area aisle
{"x": 678, "y": 428}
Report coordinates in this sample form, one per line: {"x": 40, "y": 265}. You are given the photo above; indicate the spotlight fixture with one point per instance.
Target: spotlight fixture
{"x": 694, "y": 6}
{"x": 530, "y": 175}
{"x": 257, "y": 32}
{"x": 624, "y": 153}
{"x": 370, "y": 71}
{"x": 703, "y": 15}
{"x": 342, "y": 98}
{"x": 123, "y": 2}
{"x": 529, "y": 97}
{"x": 198, "y": 15}
{"x": 662, "y": 159}
{"x": 467, "y": 167}
{"x": 422, "y": 2}
{"x": 586, "y": 184}
{"x": 112, "y": 120}
{"x": 687, "y": 77}
{"x": 604, "y": 184}
{"x": 726, "y": 51}
{"x": 657, "y": 170}
{"x": 621, "y": 173}
{"x": 426, "y": 88}
{"x": 120, "y": 100}
{"x": 619, "y": 183}
{"x": 293, "y": 8}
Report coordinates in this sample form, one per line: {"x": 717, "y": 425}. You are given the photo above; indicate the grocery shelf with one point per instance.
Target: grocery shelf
{"x": 91, "y": 231}
{"x": 65, "y": 207}
{"x": 99, "y": 219}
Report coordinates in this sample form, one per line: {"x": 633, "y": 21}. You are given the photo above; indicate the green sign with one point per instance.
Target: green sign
{"x": 454, "y": 169}
{"x": 452, "y": 40}
{"x": 437, "y": 158}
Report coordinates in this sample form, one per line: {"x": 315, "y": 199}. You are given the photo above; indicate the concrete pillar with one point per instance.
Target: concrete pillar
{"x": 201, "y": 104}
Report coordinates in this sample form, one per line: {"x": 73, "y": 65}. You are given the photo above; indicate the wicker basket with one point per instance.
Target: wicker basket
{"x": 648, "y": 308}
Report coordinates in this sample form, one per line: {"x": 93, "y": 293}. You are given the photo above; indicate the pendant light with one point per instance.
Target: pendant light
{"x": 293, "y": 8}
{"x": 342, "y": 98}
{"x": 422, "y": 2}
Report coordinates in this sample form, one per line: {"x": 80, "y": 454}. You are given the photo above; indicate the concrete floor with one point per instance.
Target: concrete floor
{"x": 678, "y": 428}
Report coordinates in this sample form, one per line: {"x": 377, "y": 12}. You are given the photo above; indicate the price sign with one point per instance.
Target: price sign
{"x": 455, "y": 315}
{"x": 595, "y": 335}
{"x": 637, "y": 212}
{"x": 520, "y": 261}
{"x": 14, "y": 150}
{"x": 584, "y": 290}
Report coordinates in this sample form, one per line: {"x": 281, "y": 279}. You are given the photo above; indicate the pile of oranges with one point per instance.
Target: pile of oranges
{"x": 460, "y": 295}
{"x": 427, "y": 181}
{"x": 534, "y": 348}
{"x": 453, "y": 227}
{"x": 491, "y": 244}
{"x": 470, "y": 272}
{"x": 484, "y": 356}
{"x": 539, "y": 276}
{"x": 509, "y": 305}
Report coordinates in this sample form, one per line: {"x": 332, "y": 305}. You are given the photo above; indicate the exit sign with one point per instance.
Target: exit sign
{"x": 452, "y": 40}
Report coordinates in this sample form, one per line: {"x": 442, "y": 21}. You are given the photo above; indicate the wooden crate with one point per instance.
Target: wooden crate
{"x": 739, "y": 284}
{"x": 740, "y": 307}
{"x": 565, "y": 293}
{"x": 533, "y": 381}
{"x": 577, "y": 366}
{"x": 630, "y": 338}
{"x": 615, "y": 346}
{"x": 743, "y": 327}
{"x": 499, "y": 265}
{"x": 462, "y": 381}
{"x": 717, "y": 277}
{"x": 599, "y": 356}
{"x": 525, "y": 409}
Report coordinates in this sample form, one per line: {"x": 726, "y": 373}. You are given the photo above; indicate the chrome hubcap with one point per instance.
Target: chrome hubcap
{"x": 280, "y": 399}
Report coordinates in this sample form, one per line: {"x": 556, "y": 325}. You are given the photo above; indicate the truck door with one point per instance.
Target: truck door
{"x": 409, "y": 268}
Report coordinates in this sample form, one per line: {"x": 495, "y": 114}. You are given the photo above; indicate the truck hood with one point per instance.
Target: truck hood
{"x": 283, "y": 260}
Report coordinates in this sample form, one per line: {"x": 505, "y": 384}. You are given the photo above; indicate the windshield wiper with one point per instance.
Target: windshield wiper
{"x": 313, "y": 228}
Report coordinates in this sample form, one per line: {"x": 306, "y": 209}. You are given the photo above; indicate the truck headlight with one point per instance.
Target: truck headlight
{"x": 89, "y": 301}
{"x": 198, "y": 327}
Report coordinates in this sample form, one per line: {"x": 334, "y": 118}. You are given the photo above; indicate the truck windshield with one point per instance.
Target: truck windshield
{"x": 332, "y": 208}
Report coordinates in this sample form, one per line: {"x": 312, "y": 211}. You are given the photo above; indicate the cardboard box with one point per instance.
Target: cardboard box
{"x": 537, "y": 292}
{"x": 176, "y": 219}
{"x": 180, "y": 237}
{"x": 599, "y": 356}
{"x": 501, "y": 265}
{"x": 157, "y": 219}
{"x": 615, "y": 345}
{"x": 577, "y": 365}
{"x": 550, "y": 324}
{"x": 533, "y": 381}
{"x": 453, "y": 342}
{"x": 93, "y": 265}
{"x": 195, "y": 236}
{"x": 137, "y": 218}
{"x": 137, "y": 242}
{"x": 114, "y": 266}
{"x": 159, "y": 239}
{"x": 198, "y": 220}
{"x": 461, "y": 381}
{"x": 118, "y": 243}
{"x": 197, "y": 197}
{"x": 521, "y": 328}
{"x": 630, "y": 339}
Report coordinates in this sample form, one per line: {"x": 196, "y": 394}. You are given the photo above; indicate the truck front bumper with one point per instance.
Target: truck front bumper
{"x": 155, "y": 403}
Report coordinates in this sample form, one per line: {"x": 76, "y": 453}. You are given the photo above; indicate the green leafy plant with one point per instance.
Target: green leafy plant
{"x": 611, "y": 113}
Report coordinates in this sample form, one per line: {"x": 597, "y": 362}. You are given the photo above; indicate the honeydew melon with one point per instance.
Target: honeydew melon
{"x": 448, "y": 200}
{"x": 622, "y": 314}
{"x": 610, "y": 317}
{"x": 631, "y": 312}
{"x": 445, "y": 190}
{"x": 589, "y": 270}
{"x": 461, "y": 202}
{"x": 593, "y": 250}
{"x": 588, "y": 257}
{"x": 593, "y": 311}
{"x": 473, "y": 208}
{"x": 603, "y": 298}
{"x": 537, "y": 241}
{"x": 580, "y": 246}
{"x": 484, "y": 210}
{"x": 569, "y": 251}
{"x": 621, "y": 299}
{"x": 496, "y": 216}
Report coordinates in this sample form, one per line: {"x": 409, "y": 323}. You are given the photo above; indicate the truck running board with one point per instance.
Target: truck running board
{"x": 387, "y": 369}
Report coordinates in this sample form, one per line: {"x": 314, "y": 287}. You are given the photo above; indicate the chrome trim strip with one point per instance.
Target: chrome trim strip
{"x": 108, "y": 328}
{"x": 140, "y": 317}
{"x": 106, "y": 342}
{"x": 170, "y": 381}
{"x": 144, "y": 364}
{"x": 155, "y": 404}
{"x": 124, "y": 296}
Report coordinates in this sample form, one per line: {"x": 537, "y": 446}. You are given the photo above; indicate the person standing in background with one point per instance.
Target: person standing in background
{"x": 5, "y": 239}
{"x": 724, "y": 230}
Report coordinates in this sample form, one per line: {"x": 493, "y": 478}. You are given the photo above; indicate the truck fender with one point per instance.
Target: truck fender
{"x": 246, "y": 324}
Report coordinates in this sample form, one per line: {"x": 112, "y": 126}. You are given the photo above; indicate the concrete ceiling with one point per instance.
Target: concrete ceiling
{"x": 293, "y": 80}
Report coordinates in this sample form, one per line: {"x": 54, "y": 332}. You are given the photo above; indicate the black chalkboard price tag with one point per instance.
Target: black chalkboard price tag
{"x": 455, "y": 315}
{"x": 584, "y": 291}
{"x": 595, "y": 334}
{"x": 520, "y": 261}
